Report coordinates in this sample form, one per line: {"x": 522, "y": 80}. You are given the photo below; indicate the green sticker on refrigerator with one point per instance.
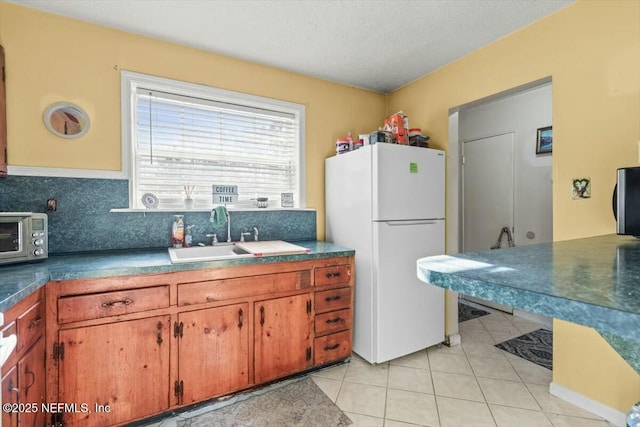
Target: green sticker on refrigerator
{"x": 413, "y": 167}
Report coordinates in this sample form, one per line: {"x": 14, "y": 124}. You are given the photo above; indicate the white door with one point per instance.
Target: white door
{"x": 409, "y": 314}
{"x": 488, "y": 198}
{"x": 488, "y": 195}
{"x": 408, "y": 182}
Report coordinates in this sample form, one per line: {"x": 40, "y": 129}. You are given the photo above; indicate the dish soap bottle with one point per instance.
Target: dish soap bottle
{"x": 177, "y": 231}
{"x": 188, "y": 238}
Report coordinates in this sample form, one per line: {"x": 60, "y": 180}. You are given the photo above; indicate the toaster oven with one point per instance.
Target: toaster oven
{"x": 23, "y": 237}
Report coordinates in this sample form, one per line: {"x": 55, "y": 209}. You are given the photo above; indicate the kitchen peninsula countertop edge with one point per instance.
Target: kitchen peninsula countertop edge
{"x": 593, "y": 281}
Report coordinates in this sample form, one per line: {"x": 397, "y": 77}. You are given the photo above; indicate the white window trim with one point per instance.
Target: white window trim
{"x": 130, "y": 81}
{"x": 65, "y": 172}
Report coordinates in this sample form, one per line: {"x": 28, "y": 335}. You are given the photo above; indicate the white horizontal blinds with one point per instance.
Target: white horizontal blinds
{"x": 185, "y": 140}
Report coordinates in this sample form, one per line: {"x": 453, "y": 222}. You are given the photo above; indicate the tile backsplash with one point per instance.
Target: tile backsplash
{"x": 83, "y": 221}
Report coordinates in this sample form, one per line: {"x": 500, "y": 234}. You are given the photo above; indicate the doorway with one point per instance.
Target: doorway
{"x": 502, "y": 183}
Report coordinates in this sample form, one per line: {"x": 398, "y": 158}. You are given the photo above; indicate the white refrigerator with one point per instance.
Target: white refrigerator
{"x": 387, "y": 202}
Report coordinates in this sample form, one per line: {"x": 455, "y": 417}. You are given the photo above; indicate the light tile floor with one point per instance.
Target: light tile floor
{"x": 473, "y": 384}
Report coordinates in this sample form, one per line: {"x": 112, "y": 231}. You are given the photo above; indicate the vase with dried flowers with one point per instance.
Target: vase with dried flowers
{"x": 188, "y": 195}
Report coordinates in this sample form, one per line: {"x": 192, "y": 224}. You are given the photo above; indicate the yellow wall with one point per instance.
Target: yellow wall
{"x": 50, "y": 58}
{"x": 591, "y": 50}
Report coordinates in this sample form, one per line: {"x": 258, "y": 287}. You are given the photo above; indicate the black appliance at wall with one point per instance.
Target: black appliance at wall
{"x": 626, "y": 201}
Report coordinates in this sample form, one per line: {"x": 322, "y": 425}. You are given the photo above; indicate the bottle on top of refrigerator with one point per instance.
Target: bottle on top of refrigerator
{"x": 350, "y": 141}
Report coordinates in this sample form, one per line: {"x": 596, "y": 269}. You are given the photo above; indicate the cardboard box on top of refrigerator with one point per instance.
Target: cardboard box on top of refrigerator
{"x": 397, "y": 124}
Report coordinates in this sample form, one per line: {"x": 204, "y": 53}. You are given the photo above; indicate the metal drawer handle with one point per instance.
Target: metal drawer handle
{"x": 336, "y": 320}
{"x": 34, "y": 322}
{"x": 117, "y": 303}
{"x": 330, "y": 275}
{"x": 159, "y": 333}
{"x": 333, "y": 347}
{"x": 333, "y": 298}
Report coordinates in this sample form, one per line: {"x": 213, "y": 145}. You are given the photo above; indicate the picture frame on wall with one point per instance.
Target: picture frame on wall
{"x": 544, "y": 140}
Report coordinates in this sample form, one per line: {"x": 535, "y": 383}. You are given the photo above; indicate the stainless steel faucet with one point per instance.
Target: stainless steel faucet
{"x": 214, "y": 238}
{"x": 255, "y": 235}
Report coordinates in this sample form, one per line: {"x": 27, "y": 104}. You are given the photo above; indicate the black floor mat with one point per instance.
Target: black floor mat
{"x": 536, "y": 347}
{"x": 466, "y": 312}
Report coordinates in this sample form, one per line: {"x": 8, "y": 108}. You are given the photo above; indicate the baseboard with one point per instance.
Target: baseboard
{"x": 547, "y": 322}
{"x": 610, "y": 414}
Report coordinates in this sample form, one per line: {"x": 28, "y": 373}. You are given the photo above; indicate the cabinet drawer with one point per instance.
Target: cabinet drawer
{"x": 332, "y": 299}
{"x": 333, "y": 321}
{"x": 30, "y": 325}
{"x": 332, "y": 347}
{"x": 94, "y": 306}
{"x": 218, "y": 290}
{"x": 332, "y": 275}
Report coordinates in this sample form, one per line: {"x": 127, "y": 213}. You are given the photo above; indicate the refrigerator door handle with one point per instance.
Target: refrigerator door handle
{"x": 410, "y": 222}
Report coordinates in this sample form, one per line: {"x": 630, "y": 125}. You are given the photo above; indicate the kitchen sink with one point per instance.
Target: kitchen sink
{"x": 207, "y": 253}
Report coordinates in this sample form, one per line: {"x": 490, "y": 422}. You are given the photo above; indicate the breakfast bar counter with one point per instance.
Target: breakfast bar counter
{"x": 592, "y": 281}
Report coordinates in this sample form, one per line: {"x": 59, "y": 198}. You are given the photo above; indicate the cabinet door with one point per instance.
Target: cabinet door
{"x": 31, "y": 377}
{"x": 124, "y": 365}
{"x": 10, "y": 395}
{"x": 214, "y": 352}
{"x": 282, "y": 336}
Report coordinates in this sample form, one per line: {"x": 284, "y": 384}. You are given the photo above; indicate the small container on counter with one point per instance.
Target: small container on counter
{"x": 188, "y": 237}
{"x": 262, "y": 202}
{"x": 177, "y": 231}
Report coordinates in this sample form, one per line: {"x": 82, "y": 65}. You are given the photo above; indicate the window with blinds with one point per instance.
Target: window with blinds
{"x": 186, "y": 138}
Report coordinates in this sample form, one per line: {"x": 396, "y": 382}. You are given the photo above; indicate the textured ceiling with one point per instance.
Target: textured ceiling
{"x": 379, "y": 45}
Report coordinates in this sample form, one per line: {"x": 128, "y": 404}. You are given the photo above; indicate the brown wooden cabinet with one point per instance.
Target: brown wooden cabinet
{"x": 23, "y": 374}
{"x": 142, "y": 345}
{"x": 213, "y": 356}
{"x": 10, "y": 395}
{"x": 283, "y": 336}
{"x": 32, "y": 382}
{"x": 118, "y": 366}
{"x": 334, "y": 308}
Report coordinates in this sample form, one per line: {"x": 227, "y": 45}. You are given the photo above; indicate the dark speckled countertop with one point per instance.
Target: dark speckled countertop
{"x": 593, "y": 282}
{"x": 18, "y": 281}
